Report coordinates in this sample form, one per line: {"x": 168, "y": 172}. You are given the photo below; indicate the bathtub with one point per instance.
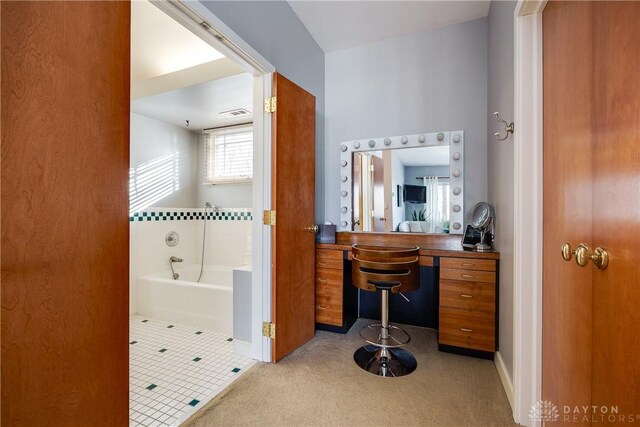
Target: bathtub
{"x": 207, "y": 305}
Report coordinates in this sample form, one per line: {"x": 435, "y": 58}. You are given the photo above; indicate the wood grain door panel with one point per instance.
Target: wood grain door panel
{"x": 293, "y": 198}
{"x": 567, "y": 201}
{"x": 65, "y": 228}
{"x": 616, "y": 207}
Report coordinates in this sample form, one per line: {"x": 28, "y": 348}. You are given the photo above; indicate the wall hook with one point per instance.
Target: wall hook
{"x": 508, "y": 127}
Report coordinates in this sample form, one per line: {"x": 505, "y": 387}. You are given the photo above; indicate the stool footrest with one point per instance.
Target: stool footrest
{"x": 372, "y": 334}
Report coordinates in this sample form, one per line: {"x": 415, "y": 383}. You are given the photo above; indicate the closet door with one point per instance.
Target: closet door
{"x": 65, "y": 208}
{"x": 567, "y": 200}
{"x": 616, "y": 208}
{"x": 591, "y": 319}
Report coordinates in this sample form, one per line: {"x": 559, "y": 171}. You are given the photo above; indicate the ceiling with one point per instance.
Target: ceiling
{"x": 201, "y": 104}
{"x": 423, "y": 156}
{"x": 339, "y": 25}
{"x": 165, "y": 55}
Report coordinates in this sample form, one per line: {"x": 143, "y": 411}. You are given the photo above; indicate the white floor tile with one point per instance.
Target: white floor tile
{"x": 174, "y": 370}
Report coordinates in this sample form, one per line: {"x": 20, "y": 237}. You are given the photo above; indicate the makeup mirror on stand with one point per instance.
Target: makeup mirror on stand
{"x": 482, "y": 220}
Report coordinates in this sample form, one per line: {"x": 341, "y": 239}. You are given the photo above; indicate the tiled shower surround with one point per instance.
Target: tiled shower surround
{"x": 175, "y": 370}
{"x": 228, "y": 240}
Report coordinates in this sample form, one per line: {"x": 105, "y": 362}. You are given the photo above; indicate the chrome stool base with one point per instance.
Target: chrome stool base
{"x": 385, "y": 362}
{"x": 372, "y": 334}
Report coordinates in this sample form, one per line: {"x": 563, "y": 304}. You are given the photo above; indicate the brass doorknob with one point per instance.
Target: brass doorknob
{"x": 599, "y": 257}
{"x": 312, "y": 228}
{"x": 568, "y": 252}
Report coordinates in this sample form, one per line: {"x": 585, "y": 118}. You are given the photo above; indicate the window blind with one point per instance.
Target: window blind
{"x": 228, "y": 155}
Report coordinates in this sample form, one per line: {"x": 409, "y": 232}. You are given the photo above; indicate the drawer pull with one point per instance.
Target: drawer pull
{"x": 467, "y": 275}
{"x": 320, "y": 307}
{"x": 467, "y": 264}
{"x": 466, "y": 296}
{"x": 322, "y": 263}
{"x": 322, "y": 253}
{"x": 466, "y": 330}
{"x": 321, "y": 280}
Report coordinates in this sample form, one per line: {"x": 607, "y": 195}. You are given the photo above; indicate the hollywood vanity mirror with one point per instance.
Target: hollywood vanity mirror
{"x": 410, "y": 183}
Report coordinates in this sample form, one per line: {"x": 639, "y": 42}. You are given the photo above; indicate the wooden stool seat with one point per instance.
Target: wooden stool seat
{"x": 385, "y": 269}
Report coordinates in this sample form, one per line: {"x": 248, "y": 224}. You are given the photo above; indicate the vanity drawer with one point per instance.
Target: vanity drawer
{"x": 324, "y": 275}
{"x": 328, "y": 254}
{"x": 468, "y": 275}
{"x": 468, "y": 264}
{"x": 468, "y": 295}
{"x": 328, "y": 262}
{"x": 329, "y": 307}
{"x": 467, "y": 329}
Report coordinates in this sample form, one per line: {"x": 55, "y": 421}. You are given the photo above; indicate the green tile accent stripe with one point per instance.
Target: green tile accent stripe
{"x": 151, "y": 386}
{"x": 133, "y": 342}
{"x": 198, "y": 333}
{"x": 235, "y": 370}
{"x": 229, "y": 339}
{"x": 194, "y": 215}
{"x": 197, "y": 359}
{"x": 162, "y": 350}
{"x": 194, "y": 402}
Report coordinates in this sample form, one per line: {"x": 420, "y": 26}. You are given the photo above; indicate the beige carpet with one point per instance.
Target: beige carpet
{"x": 320, "y": 385}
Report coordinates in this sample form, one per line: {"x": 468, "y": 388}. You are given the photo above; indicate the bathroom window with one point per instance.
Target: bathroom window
{"x": 228, "y": 155}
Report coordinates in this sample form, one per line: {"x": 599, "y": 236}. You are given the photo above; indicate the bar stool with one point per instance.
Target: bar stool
{"x": 385, "y": 269}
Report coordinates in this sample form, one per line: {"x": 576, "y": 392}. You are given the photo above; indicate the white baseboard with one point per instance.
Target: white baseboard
{"x": 504, "y": 377}
{"x": 242, "y": 348}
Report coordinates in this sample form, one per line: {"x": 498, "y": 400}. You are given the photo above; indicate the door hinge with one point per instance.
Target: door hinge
{"x": 270, "y": 105}
{"x": 269, "y": 330}
{"x": 373, "y": 213}
{"x": 371, "y": 168}
{"x": 269, "y": 217}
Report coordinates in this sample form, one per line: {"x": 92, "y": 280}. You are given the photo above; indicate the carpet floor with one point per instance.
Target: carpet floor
{"x": 319, "y": 384}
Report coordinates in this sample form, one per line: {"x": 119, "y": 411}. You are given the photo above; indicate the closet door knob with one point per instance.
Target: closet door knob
{"x": 582, "y": 254}
{"x": 312, "y": 228}
{"x": 567, "y": 252}
{"x": 599, "y": 257}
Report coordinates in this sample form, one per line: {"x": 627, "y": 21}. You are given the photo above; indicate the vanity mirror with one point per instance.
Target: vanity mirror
{"x": 412, "y": 183}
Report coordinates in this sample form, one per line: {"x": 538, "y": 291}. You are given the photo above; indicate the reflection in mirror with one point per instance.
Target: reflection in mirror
{"x": 405, "y": 189}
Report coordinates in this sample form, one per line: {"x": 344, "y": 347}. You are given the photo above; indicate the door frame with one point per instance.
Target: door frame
{"x": 202, "y": 22}
{"x": 528, "y": 172}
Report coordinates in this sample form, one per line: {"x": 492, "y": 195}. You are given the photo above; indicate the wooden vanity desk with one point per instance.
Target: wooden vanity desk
{"x": 458, "y": 292}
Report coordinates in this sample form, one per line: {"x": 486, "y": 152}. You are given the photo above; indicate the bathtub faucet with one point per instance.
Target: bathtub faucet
{"x": 173, "y": 259}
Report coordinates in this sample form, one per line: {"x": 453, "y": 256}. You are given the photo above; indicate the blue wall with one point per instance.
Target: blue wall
{"x": 500, "y": 161}
{"x": 431, "y": 81}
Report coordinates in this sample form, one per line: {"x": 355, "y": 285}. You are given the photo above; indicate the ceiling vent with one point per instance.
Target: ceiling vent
{"x": 237, "y": 112}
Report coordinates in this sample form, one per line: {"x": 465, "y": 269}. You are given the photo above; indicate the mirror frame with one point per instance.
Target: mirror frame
{"x": 455, "y": 141}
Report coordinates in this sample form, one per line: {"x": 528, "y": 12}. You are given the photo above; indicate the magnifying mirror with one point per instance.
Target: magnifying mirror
{"x": 482, "y": 220}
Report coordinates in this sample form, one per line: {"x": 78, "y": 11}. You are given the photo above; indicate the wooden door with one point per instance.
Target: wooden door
{"x": 592, "y": 196}
{"x": 616, "y": 207}
{"x": 65, "y": 228}
{"x": 293, "y": 245}
{"x": 377, "y": 190}
{"x": 567, "y": 201}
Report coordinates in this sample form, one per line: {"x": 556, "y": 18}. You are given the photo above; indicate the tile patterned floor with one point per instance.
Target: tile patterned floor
{"x": 175, "y": 370}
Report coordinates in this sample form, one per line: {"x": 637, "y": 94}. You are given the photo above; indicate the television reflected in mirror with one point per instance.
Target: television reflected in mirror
{"x": 402, "y": 189}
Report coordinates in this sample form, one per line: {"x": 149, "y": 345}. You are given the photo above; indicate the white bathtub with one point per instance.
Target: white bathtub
{"x": 207, "y": 305}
